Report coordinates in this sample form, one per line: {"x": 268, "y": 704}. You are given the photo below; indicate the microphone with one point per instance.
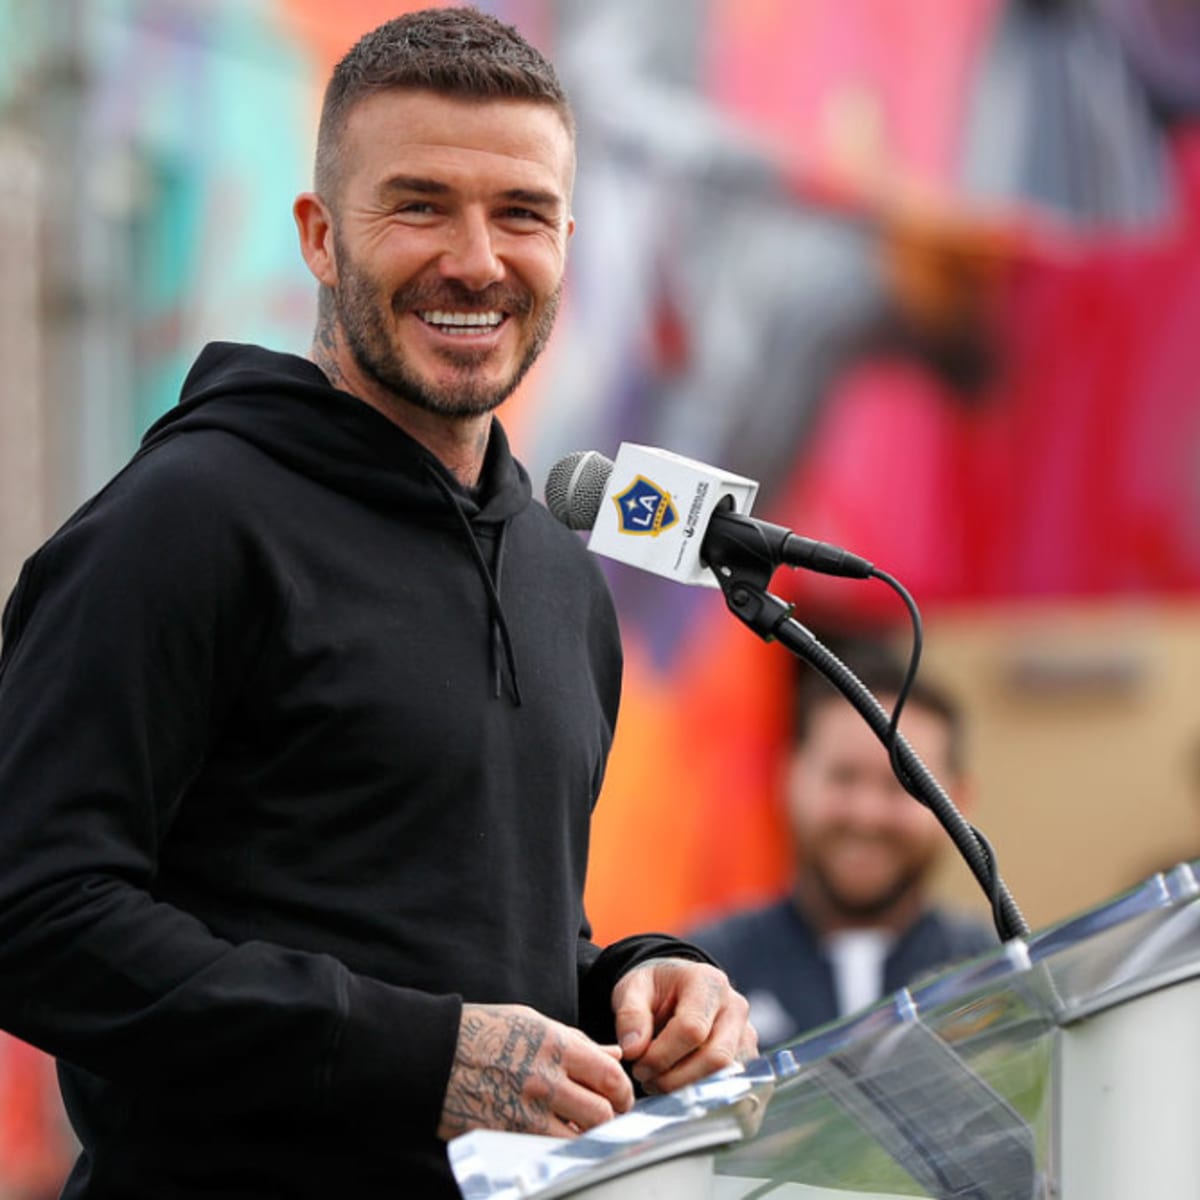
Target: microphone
{"x": 679, "y": 518}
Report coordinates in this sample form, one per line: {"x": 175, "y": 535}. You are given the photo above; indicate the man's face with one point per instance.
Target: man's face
{"x": 863, "y": 841}
{"x": 451, "y": 228}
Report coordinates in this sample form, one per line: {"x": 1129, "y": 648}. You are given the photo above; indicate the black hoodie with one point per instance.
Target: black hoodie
{"x": 299, "y": 742}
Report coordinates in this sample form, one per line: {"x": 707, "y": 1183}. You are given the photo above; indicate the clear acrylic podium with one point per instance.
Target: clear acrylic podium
{"x": 1064, "y": 1066}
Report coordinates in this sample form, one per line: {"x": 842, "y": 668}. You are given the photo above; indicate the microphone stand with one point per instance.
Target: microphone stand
{"x": 743, "y": 574}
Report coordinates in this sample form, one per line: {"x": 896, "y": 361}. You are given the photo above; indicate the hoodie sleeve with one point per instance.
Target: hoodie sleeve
{"x": 123, "y": 642}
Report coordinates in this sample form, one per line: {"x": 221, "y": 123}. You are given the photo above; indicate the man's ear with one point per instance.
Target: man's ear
{"x": 314, "y": 223}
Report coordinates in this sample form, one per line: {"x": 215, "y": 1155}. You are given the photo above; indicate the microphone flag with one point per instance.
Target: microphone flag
{"x": 656, "y": 509}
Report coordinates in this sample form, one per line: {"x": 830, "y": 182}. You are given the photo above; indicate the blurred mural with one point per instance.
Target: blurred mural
{"x": 927, "y": 269}
{"x": 930, "y": 273}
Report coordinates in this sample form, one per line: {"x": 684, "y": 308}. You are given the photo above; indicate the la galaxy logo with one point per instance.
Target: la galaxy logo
{"x": 643, "y": 507}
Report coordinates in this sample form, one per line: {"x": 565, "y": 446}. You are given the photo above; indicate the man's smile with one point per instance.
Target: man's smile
{"x": 459, "y": 324}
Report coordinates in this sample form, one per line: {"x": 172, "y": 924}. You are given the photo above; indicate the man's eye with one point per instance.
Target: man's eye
{"x": 522, "y": 214}
{"x": 419, "y": 207}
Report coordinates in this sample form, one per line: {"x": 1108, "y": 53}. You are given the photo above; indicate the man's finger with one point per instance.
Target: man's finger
{"x": 580, "y": 1106}
{"x": 633, "y": 1011}
{"x": 598, "y": 1070}
{"x": 722, "y": 1048}
{"x": 682, "y": 1035}
{"x": 748, "y": 1046}
{"x": 702, "y": 991}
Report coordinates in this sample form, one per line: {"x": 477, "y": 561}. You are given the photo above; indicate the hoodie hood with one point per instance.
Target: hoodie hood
{"x": 284, "y": 406}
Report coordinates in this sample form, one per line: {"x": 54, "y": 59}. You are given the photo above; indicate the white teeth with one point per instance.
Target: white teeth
{"x": 461, "y": 319}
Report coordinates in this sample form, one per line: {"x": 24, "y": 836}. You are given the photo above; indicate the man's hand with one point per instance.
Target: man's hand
{"x": 518, "y": 1070}
{"x": 680, "y": 1021}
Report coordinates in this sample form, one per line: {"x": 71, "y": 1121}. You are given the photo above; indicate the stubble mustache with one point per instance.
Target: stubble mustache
{"x": 450, "y": 296}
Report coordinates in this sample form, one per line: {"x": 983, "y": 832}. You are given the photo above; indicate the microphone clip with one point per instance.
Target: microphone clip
{"x": 736, "y": 548}
{"x": 738, "y": 552}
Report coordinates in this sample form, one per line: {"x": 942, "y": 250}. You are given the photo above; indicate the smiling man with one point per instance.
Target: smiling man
{"x": 303, "y": 717}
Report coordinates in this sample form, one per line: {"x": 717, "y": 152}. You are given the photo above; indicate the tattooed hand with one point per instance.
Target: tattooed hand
{"x": 515, "y": 1069}
{"x": 680, "y": 1021}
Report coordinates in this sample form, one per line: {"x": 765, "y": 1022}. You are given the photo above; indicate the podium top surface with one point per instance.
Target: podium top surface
{"x": 944, "y": 1088}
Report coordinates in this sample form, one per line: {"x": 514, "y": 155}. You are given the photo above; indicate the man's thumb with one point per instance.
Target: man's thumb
{"x": 634, "y": 1023}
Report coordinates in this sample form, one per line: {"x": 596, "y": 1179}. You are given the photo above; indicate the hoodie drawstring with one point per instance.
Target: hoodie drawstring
{"x": 500, "y": 636}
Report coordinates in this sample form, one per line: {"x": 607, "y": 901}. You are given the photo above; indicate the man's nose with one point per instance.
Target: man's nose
{"x": 470, "y": 255}
{"x": 869, "y": 806}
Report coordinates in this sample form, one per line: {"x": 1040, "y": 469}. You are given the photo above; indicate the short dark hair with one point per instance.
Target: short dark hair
{"x": 456, "y": 51}
{"x": 882, "y": 674}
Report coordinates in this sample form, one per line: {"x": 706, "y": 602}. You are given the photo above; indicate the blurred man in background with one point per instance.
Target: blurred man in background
{"x": 858, "y": 922}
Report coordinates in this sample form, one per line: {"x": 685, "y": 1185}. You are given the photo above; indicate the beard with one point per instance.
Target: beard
{"x": 364, "y": 316}
{"x": 873, "y": 905}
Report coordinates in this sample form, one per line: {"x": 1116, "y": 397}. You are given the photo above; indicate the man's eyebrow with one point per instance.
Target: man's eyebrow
{"x": 414, "y": 183}
{"x": 532, "y": 196}
{"x": 421, "y": 186}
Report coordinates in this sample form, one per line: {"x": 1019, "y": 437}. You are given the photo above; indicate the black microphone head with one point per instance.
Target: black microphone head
{"x": 575, "y": 487}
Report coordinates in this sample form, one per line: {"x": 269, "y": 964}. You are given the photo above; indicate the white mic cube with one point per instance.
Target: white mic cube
{"x": 656, "y": 510}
